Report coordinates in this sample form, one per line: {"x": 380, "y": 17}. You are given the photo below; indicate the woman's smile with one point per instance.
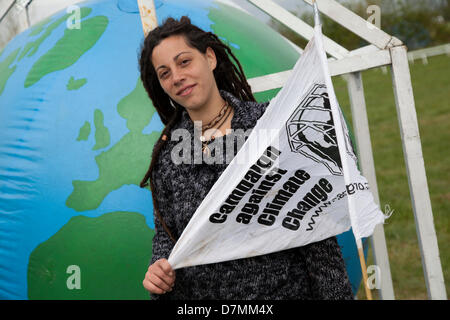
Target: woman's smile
{"x": 186, "y": 91}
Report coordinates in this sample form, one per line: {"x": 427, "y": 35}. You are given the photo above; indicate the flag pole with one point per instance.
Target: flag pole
{"x": 341, "y": 142}
{"x": 363, "y": 268}
{"x": 148, "y": 15}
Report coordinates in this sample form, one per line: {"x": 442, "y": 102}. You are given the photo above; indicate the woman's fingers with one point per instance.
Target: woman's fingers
{"x": 167, "y": 268}
{"x": 155, "y": 284}
{"x": 161, "y": 279}
{"x": 151, "y": 287}
{"x": 165, "y": 271}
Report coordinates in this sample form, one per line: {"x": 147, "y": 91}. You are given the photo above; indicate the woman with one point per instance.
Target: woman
{"x": 190, "y": 77}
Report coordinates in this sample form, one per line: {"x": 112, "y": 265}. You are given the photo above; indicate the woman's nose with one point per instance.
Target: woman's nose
{"x": 177, "y": 77}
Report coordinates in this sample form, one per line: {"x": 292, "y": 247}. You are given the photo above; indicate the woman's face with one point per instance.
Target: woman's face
{"x": 185, "y": 73}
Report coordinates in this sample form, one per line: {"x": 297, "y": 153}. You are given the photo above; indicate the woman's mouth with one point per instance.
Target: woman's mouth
{"x": 186, "y": 91}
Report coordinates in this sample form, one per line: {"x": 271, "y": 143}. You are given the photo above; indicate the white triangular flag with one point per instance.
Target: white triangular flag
{"x": 286, "y": 189}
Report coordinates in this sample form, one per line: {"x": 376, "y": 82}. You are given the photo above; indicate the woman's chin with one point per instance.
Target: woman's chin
{"x": 192, "y": 107}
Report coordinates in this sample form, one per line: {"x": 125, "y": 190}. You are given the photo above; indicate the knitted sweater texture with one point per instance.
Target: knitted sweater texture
{"x": 314, "y": 271}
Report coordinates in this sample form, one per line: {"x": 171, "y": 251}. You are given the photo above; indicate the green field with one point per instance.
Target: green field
{"x": 431, "y": 84}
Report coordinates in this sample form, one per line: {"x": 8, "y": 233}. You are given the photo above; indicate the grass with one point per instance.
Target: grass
{"x": 431, "y": 84}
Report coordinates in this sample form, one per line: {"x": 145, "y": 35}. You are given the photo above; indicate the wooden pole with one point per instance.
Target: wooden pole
{"x": 148, "y": 15}
{"x": 362, "y": 261}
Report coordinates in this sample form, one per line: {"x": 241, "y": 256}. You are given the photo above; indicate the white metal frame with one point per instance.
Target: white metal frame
{"x": 384, "y": 50}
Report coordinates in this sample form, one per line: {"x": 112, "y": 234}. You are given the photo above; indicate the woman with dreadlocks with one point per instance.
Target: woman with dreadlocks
{"x": 189, "y": 76}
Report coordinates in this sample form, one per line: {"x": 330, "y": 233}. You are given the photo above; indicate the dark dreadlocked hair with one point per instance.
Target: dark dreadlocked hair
{"x": 228, "y": 76}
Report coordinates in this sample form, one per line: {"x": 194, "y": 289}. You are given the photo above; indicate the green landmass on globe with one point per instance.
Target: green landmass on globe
{"x": 76, "y": 84}
{"x": 88, "y": 243}
{"x": 85, "y": 130}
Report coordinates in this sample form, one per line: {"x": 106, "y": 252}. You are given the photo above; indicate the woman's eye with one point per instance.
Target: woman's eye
{"x": 184, "y": 61}
{"x": 162, "y": 75}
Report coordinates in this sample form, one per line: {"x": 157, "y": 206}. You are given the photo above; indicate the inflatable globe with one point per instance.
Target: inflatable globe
{"x": 76, "y": 134}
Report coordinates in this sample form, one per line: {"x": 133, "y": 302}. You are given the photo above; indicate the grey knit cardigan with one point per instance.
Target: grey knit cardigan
{"x": 314, "y": 271}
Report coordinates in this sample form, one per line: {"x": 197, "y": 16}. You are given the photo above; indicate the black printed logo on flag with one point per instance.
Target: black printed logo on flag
{"x": 311, "y": 132}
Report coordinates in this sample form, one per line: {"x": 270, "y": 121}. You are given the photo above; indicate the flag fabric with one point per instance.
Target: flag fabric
{"x": 293, "y": 182}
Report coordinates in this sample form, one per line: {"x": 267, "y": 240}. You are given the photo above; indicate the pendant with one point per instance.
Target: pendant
{"x": 206, "y": 150}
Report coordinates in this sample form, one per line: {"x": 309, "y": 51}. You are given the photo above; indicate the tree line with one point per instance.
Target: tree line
{"x": 417, "y": 23}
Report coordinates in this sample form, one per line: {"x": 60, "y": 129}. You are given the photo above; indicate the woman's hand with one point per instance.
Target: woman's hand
{"x": 160, "y": 277}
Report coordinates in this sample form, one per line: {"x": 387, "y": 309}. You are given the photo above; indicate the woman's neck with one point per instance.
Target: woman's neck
{"x": 209, "y": 112}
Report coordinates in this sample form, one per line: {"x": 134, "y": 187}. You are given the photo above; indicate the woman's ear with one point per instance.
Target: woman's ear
{"x": 211, "y": 57}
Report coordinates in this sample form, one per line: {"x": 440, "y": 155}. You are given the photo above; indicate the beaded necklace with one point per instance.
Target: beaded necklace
{"x": 221, "y": 117}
